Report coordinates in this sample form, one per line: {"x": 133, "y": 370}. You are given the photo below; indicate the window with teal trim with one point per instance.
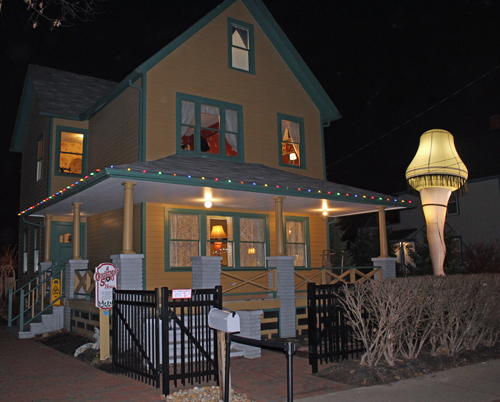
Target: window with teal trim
{"x": 36, "y": 248}
{"x": 239, "y": 239}
{"x": 291, "y": 141}
{"x": 241, "y": 50}
{"x": 297, "y": 239}
{"x": 39, "y": 159}
{"x": 209, "y": 127}
{"x": 25, "y": 251}
{"x": 71, "y": 151}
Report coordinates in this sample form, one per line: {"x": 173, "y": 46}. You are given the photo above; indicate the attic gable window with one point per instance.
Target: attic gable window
{"x": 209, "y": 127}
{"x": 71, "y": 151}
{"x": 241, "y": 46}
{"x": 292, "y": 141}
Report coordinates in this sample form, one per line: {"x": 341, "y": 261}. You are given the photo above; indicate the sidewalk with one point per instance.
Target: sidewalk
{"x": 30, "y": 371}
{"x": 475, "y": 383}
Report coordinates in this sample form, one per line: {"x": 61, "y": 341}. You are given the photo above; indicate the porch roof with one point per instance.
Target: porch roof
{"x": 187, "y": 180}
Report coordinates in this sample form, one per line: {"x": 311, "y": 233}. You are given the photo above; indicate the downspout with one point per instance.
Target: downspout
{"x": 323, "y": 126}
{"x": 32, "y": 223}
{"x": 142, "y": 139}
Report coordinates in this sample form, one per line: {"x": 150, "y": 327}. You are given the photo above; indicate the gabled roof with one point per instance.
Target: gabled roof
{"x": 59, "y": 94}
{"x": 280, "y": 41}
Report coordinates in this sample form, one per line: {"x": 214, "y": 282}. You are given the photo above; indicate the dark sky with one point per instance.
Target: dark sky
{"x": 382, "y": 62}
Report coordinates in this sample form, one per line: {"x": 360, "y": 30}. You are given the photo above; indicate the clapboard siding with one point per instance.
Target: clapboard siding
{"x": 114, "y": 132}
{"x": 156, "y": 275}
{"x": 272, "y": 90}
{"x": 31, "y": 190}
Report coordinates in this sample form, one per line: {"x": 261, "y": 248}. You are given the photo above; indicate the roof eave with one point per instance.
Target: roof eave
{"x": 23, "y": 113}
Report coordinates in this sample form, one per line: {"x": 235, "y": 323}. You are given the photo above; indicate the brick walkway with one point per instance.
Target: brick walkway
{"x": 30, "y": 371}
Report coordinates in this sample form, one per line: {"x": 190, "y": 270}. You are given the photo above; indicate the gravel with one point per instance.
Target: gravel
{"x": 206, "y": 394}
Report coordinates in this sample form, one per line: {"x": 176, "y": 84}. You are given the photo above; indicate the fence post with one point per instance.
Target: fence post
{"x": 312, "y": 326}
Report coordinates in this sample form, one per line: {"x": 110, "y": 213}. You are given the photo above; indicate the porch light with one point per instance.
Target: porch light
{"x": 436, "y": 171}
{"x": 208, "y": 204}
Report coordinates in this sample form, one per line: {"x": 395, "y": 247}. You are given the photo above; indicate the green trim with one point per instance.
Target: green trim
{"x": 302, "y": 144}
{"x": 69, "y": 225}
{"x": 51, "y": 144}
{"x": 307, "y": 234}
{"x": 143, "y": 243}
{"x": 85, "y": 133}
{"x": 323, "y": 151}
{"x": 202, "y": 234}
{"x": 142, "y": 117}
{"x": 251, "y": 45}
{"x": 223, "y": 106}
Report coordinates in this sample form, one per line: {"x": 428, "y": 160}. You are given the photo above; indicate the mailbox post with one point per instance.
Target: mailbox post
{"x": 226, "y": 323}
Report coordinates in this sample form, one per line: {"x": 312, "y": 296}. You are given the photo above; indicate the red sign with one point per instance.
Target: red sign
{"x": 105, "y": 278}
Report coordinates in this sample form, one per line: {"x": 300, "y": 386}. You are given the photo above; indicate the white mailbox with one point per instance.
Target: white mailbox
{"x": 226, "y": 321}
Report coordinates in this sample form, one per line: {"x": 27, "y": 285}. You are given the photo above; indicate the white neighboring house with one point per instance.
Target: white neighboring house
{"x": 475, "y": 218}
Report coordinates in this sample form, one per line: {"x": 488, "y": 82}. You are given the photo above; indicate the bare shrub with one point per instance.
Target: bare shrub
{"x": 482, "y": 257}
{"x": 375, "y": 310}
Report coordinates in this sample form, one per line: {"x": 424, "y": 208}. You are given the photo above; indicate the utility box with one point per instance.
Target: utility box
{"x": 225, "y": 321}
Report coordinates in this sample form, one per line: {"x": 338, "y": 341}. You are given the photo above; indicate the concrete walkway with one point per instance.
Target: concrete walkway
{"x": 30, "y": 371}
{"x": 475, "y": 383}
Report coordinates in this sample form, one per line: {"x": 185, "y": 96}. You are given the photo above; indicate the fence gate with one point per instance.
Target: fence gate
{"x": 330, "y": 336}
{"x": 136, "y": 335}
{"x": 171, "y": 343}
{"x": 189, "y": 345}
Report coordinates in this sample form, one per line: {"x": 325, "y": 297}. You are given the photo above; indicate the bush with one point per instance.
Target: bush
{"x": 398, "y": 317}
{"x": 482, "y": 258}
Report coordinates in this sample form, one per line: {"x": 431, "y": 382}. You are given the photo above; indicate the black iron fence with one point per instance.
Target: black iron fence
{"x": 136, "y": 334}
{"x": 189, "y": 345}
{"x": 161, "y": 340}
{"x": 330, "y": 335}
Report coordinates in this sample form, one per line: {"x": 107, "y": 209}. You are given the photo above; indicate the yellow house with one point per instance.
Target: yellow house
{"x": 212, "y": 148}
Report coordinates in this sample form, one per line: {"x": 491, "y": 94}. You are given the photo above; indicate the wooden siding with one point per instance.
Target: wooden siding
{"x": 114, "y": 132}
{"x": 156, "y": 276}
{"x": 59, "y": 182}
{"x": 31, "y": 190}
{"x": 200, "y": 67}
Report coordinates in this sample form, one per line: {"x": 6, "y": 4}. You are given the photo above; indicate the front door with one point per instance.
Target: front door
{"x": 62, "y": 243}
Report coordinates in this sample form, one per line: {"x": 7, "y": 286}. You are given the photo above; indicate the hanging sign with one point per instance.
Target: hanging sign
{"x": 182, "y": 293}
{"x": 105, "y": 278}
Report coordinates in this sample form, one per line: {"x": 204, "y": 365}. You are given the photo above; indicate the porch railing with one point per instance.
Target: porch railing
{"x": 34, "y": 298}
{"x": 84, "y": 284}
{"x": 262, "y": 281}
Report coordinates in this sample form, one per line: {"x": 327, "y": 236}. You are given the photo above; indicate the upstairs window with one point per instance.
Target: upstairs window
{"x": 39, "y": 159}
{"x": 291, "y": 136}
{"x": 241, "y": 46}
{"x": 71, "y": 146}
{"x": 453, "y": 205}
{"x": 209, "y": 127}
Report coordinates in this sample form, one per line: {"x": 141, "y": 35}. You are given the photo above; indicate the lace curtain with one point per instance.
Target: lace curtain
{"x": 184, "y": 243}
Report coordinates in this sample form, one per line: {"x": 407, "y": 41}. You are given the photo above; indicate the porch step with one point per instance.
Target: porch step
{"x": 49, "y": 323}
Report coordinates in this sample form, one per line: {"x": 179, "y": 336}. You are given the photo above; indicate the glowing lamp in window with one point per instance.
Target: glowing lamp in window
{"x": 218, "y": 233}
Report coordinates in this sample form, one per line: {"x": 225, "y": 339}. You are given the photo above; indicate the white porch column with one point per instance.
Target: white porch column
{"x": 382, "y": 228}
{"x": 76, "y": 231}
{"x": 128, "y": 218}
{"x": 130, "y": 271}
{"x": 280, "y": 242}
{"x": 286, "y": 293}
{"x": 206, "y": 272}
{"x": 48, "y": 238}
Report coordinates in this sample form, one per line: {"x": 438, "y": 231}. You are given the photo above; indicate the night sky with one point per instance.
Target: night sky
{"x": 394, "y": 69}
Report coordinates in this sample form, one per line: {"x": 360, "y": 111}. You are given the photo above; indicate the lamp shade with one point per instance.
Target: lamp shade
{"x": 218, "y": 232}
{"x": 437, "y": 164}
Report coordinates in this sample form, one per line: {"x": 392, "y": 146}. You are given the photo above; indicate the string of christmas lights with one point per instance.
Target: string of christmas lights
{"x": 98, "y": 171}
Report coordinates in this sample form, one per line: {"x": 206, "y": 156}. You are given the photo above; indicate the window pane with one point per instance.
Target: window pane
{"x": 71, "y": 151}
{"x": 290, "y": 146}
{"x": 252, "y": 229}
{"x": 182, "y": 251}
{"x": 299, "y": 251}
{"x": 187, "y": 138}
{"x": 295, "y": 232}
{"x": 184, "y": 227}
{"x": 252, "y": 255}
{"x": 222, "y": 249}
{"x": 231, "y": 120}
{"x": 240, "y": 58}
{"x": 209, "y": 141}
{"x": 220, "y": 228}
{"x": 240, "y": 37}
